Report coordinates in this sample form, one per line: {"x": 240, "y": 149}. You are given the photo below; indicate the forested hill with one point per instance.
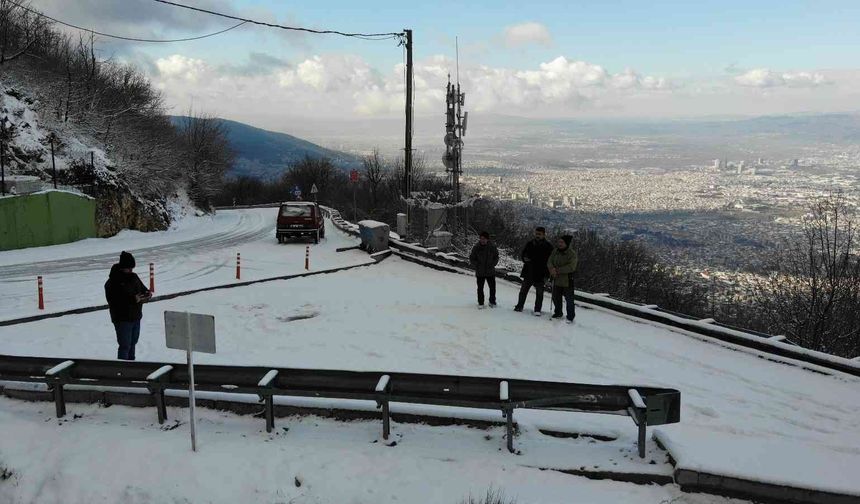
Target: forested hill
{"x": 266, "y": 154}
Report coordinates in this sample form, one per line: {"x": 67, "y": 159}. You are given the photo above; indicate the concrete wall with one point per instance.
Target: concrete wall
{"x": 47, "y": 218}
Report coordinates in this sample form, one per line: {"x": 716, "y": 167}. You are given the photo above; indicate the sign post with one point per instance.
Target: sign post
{"x": 314, "y": 191}
{"x": 190, "y": 332}
{"x": 297, "y": 193}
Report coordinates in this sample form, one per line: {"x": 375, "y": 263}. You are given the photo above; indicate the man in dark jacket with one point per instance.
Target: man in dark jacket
{"x": 485, "y": 257}
{"x": 535, "y": 255}
{"x": 562, "y": 265}
{"x": 125, "y": 295}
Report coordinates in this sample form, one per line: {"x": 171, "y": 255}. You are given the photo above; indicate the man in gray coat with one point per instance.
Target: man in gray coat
{"x": 485, "y": 257}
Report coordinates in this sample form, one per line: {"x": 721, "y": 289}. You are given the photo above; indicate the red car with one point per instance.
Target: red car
{"x": 300, "y": 219}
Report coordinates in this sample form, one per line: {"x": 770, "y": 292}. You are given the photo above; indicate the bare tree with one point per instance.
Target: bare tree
{"x": 18, "y": 31}
{"x": 375, "y": 172}
{"x": 207, "y": 156}
{"x": 811, "y": 293}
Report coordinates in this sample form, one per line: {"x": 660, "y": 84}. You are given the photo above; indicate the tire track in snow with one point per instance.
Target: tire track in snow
{"x": 238, "y": 235}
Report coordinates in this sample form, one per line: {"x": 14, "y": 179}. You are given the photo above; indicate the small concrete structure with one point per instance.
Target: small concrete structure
{"x": 374, "y": 235}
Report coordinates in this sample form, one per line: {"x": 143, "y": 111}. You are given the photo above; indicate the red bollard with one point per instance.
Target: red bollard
{"x": 152, "y": 278}
{"x": 41, "y": 295}
{"x": 308, "y": 257}
{"x": 238, "y": 266}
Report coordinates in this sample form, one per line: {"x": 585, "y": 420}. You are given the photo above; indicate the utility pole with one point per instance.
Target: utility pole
{"x": 3, "y": 156}
{"x": 407, "y": 154}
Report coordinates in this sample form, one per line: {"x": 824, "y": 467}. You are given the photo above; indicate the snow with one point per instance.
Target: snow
{"x": 267, "y": 379}
{"x": 158, "y": 373}
{"x": 196, "y": 252}
{"x": 503, "y": 391}
{"x": 372, "y": 224}
{"x": 397, "y": 316}
{"x": 59, "y": 368}
{"x": 120, "y": 454}
{"x": 383, "y": 383}
{"x": 636, "y": 398}
{"x": 765, "y": 459}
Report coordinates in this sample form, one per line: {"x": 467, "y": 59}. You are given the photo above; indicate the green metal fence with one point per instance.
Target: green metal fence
{"x": 45, "y": 218}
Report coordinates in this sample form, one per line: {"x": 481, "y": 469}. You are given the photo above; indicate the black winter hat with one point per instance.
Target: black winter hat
{"x": 485, "y": 234}
{"x": 567, "y": 239}
{"x": 126, "y": 260}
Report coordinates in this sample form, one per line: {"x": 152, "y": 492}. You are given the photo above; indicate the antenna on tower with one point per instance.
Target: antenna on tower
{"x": 457, "y": 53}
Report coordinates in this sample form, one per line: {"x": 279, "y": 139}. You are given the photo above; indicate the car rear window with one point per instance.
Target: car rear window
{"x": 296, "y": 211}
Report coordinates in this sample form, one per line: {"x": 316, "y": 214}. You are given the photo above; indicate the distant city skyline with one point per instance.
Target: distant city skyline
{"x": 539, "y": 59}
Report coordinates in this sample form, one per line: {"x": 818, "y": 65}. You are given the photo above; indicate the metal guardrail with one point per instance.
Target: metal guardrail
{"x": 714, "y": 329}
{"x": 645, "y": 405}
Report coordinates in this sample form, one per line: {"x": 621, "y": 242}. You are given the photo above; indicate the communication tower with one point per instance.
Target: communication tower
{"x": 455, "y": 129}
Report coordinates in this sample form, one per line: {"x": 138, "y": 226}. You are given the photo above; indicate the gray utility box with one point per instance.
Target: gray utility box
{"x": 374, "y": 235}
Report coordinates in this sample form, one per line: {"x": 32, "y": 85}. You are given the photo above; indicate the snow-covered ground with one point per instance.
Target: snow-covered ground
{"x": 118, "y": 454}
{"x": 396, "y": 316}
{"x": 195, "y": 252}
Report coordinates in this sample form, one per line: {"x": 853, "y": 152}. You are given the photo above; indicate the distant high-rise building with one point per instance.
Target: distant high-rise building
{"x": 718, "y": 164}
{"x": 794, "y": 163}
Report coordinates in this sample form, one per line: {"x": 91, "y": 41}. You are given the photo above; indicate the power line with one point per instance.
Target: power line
{"x": 121, "y": 37}
{"x": 365, "y": 36}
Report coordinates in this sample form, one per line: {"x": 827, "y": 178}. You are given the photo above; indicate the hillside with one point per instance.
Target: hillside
{"x": 265, "y": 154}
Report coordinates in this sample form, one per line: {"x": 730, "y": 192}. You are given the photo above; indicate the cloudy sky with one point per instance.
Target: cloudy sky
{"x": 613, "y": 58}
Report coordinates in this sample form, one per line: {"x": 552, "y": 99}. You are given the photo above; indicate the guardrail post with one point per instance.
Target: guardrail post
{"x": 155, "y": 383}
{"x": 508, "y": 412}
{"x": 307, "y": 257}
{"x": 152, "y": 278}
{"x": 383, "y": 388}
{"x": 638, "y": 411}
{"x": 56, "y": 377}
{"x": 266, "y": 395}
{"x": 238, "y": 266}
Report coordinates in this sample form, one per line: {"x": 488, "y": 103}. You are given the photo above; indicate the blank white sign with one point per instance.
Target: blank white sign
{"x": 177, "y": 324}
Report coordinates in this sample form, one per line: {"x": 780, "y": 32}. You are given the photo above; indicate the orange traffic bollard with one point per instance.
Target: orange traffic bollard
{"x": 152, "y": 278}
{"x": 308, "y": 257}
{"x": 41, "y": 295}
{"x": 238, "y": 266}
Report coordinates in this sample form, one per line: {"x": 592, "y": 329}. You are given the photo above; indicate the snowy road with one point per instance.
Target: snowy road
{"x": 198, "y": 252}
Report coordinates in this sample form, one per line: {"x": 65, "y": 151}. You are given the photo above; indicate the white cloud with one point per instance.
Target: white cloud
{"x": 527, "y": 33}
{"x": 765, "y": 78}
{"x": 344, "y": 85}
{"x": 182, "y": 67}
{"x": 331, "y": 84}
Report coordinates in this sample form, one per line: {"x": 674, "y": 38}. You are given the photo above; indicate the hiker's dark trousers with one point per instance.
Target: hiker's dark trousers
{"x": 528, "y": 283}
{"x": 491, "y": 281}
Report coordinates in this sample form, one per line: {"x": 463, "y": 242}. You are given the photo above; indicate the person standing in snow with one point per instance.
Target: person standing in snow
{"x": 534, "y": 256}
{"x": 562, "y": 266}
{"x": 485, "y": 257}
{"x": 125, "y": 295}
